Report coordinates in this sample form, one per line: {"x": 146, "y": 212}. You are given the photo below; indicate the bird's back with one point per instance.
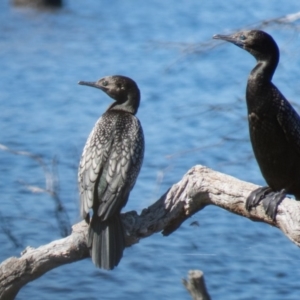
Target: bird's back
{"x": 276, "y": 151}
{"x": 110, "y": 163}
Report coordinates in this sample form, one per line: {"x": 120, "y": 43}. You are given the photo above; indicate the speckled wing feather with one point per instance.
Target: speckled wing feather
{"x": 123, "y": 166}
{"x": 289, "y": 121}
{"x": 116, "y": 157}
{"x": 94, "y": 156}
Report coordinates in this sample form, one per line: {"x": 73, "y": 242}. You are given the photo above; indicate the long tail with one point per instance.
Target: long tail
{"x": 106, "y": 241}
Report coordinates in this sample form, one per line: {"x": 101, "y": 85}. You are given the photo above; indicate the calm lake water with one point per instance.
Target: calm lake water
{"x": 192, "y": 111}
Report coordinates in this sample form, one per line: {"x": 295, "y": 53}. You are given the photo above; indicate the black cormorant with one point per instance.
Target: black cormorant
{"x": 274, "y": 125}
{"x": 109, "y": 165}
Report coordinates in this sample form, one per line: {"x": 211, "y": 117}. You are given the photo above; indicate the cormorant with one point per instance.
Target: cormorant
{"x": 274, "y": 125}
{"x": 109, "y": 165}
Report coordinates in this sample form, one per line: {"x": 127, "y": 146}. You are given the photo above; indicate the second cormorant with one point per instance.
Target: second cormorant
{"x": 274, "y": 125}
{"x": 109, "y": 165}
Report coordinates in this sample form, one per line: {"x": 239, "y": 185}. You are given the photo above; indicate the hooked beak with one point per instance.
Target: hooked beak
{"x": 92, "y": 84}
{"x": 233, "y": 38}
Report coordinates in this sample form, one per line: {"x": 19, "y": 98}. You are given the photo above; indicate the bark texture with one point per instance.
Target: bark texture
{"x": 199, "y": 187}
{"x": 195, "y": 285}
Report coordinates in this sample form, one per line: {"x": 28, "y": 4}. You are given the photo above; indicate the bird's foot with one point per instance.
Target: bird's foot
{"x": 271, "y": 202}
{"x": 256, "y": 196}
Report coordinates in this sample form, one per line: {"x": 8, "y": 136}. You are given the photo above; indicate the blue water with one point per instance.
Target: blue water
{"x": 192, "y": 112}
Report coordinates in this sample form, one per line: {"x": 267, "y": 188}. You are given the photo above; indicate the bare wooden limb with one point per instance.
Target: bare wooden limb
{"x": 196, "y": 285}
{"x": 201, "y": 186}
{"x": 33, "y": 263}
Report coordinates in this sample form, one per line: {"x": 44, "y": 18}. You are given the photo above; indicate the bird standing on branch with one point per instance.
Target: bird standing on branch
{"x": 274, "y": 125}
{"x": 109, "y": 166}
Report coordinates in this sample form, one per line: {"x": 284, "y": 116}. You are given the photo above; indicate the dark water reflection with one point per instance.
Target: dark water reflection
{"x": 192, "y": 112}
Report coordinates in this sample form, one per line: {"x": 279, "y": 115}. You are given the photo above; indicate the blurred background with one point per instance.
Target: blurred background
{"x": 193, "y": 111}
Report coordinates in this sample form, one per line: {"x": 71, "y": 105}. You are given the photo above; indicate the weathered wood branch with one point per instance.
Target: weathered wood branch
{"x": 200, "y": 187}
{"x": 196, "y": 285}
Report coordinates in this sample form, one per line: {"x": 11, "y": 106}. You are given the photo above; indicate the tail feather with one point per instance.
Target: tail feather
{"x": 106, "y": 241}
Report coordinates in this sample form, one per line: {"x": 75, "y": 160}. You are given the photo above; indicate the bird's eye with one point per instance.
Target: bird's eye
{"x": 242, "y": 37}
{"x": 105, "y": 83}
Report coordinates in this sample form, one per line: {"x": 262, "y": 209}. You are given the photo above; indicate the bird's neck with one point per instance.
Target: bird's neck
{"x": 259, "y": 86}
{"x": 264, "y": 69}
{"x": 130, "y": 105}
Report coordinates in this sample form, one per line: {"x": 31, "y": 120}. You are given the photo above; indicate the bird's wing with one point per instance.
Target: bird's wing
{"x": 121, "y": 170}
{"x": 289, "y": 121}
{"x": 94, "y": 157}
{"x": 109, "y": 166}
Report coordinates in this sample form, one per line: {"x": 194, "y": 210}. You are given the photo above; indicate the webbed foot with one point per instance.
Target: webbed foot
{"x": 256, "y": 196}
{"x": 271, "y": 202}
{"x": 269, "y": 198}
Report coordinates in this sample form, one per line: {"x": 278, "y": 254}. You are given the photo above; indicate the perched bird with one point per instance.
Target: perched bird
{"x": 274, "y": 125}
{"x": 109, "y": 165}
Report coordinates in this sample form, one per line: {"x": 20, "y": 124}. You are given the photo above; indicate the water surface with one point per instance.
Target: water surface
{"x": 192, "y": 111}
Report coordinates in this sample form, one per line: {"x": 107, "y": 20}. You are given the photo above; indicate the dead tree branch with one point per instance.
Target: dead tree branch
{"x": 200, "y": 187}
{"x": 196, "y": 285}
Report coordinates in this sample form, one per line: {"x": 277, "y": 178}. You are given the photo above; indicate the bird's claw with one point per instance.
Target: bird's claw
{"x": 256, "y": 196}
{"x": 270, "y": 200}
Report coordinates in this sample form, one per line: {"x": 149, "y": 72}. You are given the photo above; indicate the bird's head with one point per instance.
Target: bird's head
{"x": 257, "y": 42}
{"x": 120, "y": 88}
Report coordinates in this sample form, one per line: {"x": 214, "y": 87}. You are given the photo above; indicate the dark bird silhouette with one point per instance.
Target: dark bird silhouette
{"x": 109, "y": 165}
{"x": 274, "y": 125}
